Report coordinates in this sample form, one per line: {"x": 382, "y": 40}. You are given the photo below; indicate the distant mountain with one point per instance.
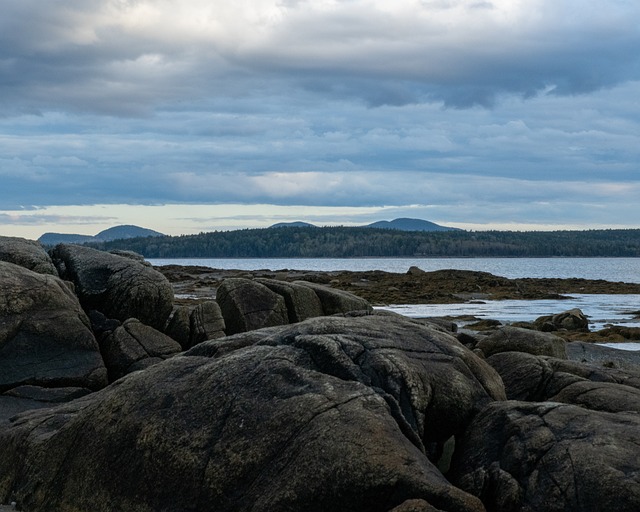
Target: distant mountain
{"x": 114, "y": 233}
{"x": 410, "y": 225}
{"x": 126, "y": 231}
{"x": 64, "y": 238}
{"x": 297, "y": 224}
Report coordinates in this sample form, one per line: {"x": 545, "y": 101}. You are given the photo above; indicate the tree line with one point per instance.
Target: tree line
{"x": 359, "y": 242}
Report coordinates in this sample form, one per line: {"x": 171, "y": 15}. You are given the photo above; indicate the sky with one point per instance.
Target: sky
{"x": 186, "y": 116}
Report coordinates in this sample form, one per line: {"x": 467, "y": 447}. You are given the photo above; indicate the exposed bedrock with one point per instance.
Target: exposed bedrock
{"x": 332, "y": 413}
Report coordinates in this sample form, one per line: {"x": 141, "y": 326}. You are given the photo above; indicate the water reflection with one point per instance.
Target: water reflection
{"x": 600, "y": 309}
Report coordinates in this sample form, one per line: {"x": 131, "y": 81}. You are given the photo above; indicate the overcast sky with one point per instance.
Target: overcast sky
{"x": 194, "y": 115}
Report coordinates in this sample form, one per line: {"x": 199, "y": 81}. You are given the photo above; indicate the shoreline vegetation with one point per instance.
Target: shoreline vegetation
{"x": 359, "y": 242}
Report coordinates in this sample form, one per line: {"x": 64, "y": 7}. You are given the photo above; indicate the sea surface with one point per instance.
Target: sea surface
{"x": 601, "y": 309}
{"x": 610, "y": 269}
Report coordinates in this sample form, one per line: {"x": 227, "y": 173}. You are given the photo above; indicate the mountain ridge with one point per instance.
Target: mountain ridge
{"x": 121, "y": 232}
{"x": 401, "y": 224}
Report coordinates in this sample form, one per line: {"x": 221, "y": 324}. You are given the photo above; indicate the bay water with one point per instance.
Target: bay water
{"x": 610, "y": 269}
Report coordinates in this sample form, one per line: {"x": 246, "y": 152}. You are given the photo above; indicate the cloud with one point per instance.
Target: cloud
{"x": 490, "y": 110}
{"x": 130, "y": 57}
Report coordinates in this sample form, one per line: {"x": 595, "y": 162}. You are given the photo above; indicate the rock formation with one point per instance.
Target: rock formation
{"x": 329, "y": 414}
{"x": 27, "y": 254}
{"x": 45, "y": 336}
{"x": 519, "y": 456}
{"x": 120, "y": 287}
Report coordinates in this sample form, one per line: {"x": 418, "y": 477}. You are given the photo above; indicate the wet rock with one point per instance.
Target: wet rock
{"x": 515, "y": 339}
{"x": 45, "y": 336}
{"x": 119, "y": 287}
{"x": 329, "y": 414}
{"x": 26, "y": 253}
{"x": 247, "y": 305}
{"x": 548, "y": 456}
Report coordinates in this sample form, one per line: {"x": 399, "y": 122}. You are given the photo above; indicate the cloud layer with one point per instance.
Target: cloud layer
{"x": 525, "y": 108}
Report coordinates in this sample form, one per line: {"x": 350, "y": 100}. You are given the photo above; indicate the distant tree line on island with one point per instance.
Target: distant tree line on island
{"x": 358, "y": 242}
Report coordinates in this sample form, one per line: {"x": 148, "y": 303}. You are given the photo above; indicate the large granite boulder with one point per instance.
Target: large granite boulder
{"x": 329, "y": 414}
{"x": 301, "y": 301}
{"x": 45, "y": 336}
{"x": 540, "y": 378}
{"x": 134, "y": 346}
{"x": 118, "y": 286}
{"x": 247, "y": 305}
{"x": 516, "y": 339}
{"x": 519, "y": 456}
{"x": 26, "y": 253}
{"x": 336, "y": 301}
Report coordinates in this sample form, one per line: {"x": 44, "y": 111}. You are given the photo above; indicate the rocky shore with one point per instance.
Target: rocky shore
{"x": 129, "y": 388}
{"x": 414, "y": 287}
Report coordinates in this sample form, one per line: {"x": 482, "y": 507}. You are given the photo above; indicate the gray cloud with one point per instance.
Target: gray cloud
{"x": 516, "y": 110}
{"x": 126, "y": 58}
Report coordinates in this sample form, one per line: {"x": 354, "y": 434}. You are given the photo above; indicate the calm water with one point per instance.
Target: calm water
{"x": 609, "y": 269}
{"x": 600, "y": 309}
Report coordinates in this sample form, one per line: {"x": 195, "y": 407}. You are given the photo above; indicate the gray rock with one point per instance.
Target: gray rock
{"x": 328, "y": 414}
{"x": 516, "y": 339}
{"x": 134, "y": 346}
{"x": 45, "y": 336}
{"x": 571, "y": 320}
{"x": 179, "y": 326}
{"x": 539, "y": 378}
{"x": 119, "y": 287}
{"x": 26, "y": 253}
{"x": 302, "y": 302}
{"x": 247, "y": 305}
{"x": 336, "y": 301}
{"x": 206, "y": 323}
{"x": 547, "y": 456}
